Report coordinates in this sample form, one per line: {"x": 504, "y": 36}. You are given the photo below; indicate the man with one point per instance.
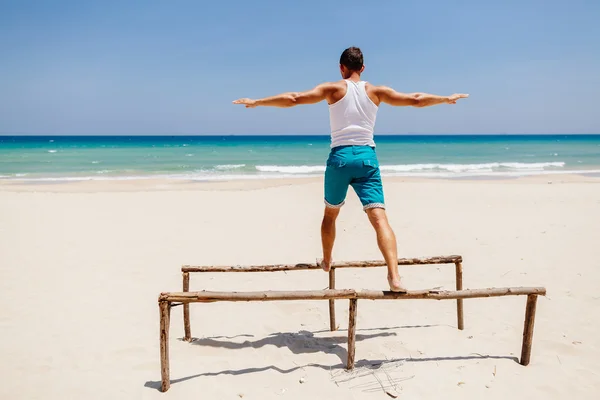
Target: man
{"x": 352, "y": 161}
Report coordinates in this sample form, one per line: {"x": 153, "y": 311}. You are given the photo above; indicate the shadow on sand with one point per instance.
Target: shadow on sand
{"x": 305, "y": 342}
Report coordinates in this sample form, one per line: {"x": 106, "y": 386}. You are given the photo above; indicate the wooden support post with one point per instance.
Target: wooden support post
{"x": 352, "y": 334}
{"x": 332, "y": 326}
{"x": 528, "y": 329}
{"x": 165, "y": 310}
{"x": 459, "y": 302}
{"x": 186, "y": 309}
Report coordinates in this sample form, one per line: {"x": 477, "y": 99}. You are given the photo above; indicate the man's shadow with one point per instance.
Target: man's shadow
{"x": 304, "y": 342}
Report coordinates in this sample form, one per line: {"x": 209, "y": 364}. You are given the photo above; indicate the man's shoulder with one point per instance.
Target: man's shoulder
{"x": 371, "y": 86}
{"x": 334, "y": 84}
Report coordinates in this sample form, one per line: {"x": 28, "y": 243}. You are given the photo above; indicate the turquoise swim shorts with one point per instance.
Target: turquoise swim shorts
{"x": 355, "y": 166}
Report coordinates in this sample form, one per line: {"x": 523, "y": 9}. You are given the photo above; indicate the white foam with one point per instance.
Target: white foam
{"x": 226, "y": 177}
{"x": 291, "y": 169}
{"x": 455, "y": 168}
{"x": 51, "y": 151}
{"x": 433, "y": 170}
{"x": 492, "y": 174}
{"x": 95, "y": 162}
{"x": 230, "y": 166}
{"x": 488, "y": 167}
{"x": 87, "y": 178}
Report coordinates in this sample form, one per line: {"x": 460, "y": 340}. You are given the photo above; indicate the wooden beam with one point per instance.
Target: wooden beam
{"x": 207, "y": 296}
{"x": 459, "y": 302}
{"x": 352, "y": 334}
{"x": 332, "y": 326}
{"x": 186, "y": 309}
{"x": 453, "y": 259}
{"x": 528, "y": 329}
{"x": 165, "y": 310}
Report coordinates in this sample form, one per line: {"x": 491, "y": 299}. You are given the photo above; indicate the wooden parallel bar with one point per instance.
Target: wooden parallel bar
{"x": 208, "y": 296}
{"x": 166, "y": 299}
{"x": 453, "y": 259}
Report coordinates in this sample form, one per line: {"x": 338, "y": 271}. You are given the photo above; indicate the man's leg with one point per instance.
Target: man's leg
{"x": 369, "y": 188}
{"x": 386, "y": 240}
{"x": 328, "y": 235}
{"x": 336, "y": 182}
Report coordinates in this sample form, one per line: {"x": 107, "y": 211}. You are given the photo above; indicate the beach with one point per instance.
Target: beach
{"x": 82, "y": 265}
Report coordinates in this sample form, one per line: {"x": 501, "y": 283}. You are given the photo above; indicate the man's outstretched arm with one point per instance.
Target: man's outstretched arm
{"x": 290, "y": 99}
{"x": 394, "y": 98}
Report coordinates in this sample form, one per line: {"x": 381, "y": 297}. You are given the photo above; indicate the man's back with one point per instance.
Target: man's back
{"x": 352, "y": 117}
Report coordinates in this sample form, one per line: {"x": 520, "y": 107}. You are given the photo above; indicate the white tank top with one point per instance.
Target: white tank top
{"x": 352, "y": 118}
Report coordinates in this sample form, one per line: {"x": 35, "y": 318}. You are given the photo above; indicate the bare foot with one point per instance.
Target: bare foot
{"x": 396, "y": 285}
{"x": 326, "y": 265}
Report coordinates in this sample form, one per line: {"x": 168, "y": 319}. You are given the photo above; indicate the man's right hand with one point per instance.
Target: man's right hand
{"x": 249, "y": 103}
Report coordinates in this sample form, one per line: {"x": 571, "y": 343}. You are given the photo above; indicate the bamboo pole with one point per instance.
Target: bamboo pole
{"x": 305, "y": 266}
{"x": 186, "y": 309}
{"x": 528, "y": 329}
{"x": 332, "y": 326}
{"x": 205, "y": 296}
{"x": 165, "y": 309}
{"x": 352, "y": 334}
{"x": 459, "y": 302}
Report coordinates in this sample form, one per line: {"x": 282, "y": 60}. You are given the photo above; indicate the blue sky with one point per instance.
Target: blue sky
{"x": 174, "y": 67}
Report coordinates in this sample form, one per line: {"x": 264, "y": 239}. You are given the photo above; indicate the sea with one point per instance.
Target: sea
{"x": 210, "y": 158}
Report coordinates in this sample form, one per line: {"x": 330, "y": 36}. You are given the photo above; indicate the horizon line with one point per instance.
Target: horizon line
{"x": 2, "y": 134}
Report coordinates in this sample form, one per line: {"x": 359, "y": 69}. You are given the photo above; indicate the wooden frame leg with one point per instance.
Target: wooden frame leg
{"x": 186, "y": 309}
{"x": 459, "y": 302}
{"x": 165, "y": 311}
{"x": 528, "y": 329}
{"x": 332, "y": 325}
{"x": 352, "y": 334}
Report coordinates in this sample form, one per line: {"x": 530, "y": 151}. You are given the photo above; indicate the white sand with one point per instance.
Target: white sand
{"x": 81, "y": 267}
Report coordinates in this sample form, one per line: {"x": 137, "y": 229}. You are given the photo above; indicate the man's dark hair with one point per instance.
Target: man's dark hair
{"x": 352, "y": 58}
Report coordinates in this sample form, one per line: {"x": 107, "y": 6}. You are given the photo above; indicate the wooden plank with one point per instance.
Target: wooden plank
{"x": 208, "y": 296}
{"x": 309, "y": 266}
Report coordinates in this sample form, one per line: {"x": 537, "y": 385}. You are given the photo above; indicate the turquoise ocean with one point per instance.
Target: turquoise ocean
{"x": 205, "y": 158}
